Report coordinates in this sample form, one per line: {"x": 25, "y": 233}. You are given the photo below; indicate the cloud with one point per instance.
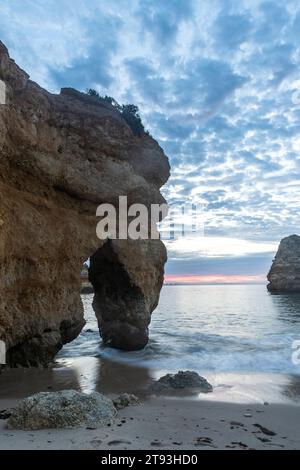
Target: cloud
{"x": 207, "y": 85}
{"x": 216, "y": 247}
{"x": 93, "y": 67}
{"x": 215, "y": 83}
{"x": 272, "y": 20}
{"x": 162, "y": 19}
{"x": 151, "y": 85}
{"x": 231, "y": 30}
{"x": 251, "y": 265}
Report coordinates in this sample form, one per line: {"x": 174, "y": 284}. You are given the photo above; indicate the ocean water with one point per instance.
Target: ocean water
{"x": 209, "y": 329}
{"x": 239, "y": 337}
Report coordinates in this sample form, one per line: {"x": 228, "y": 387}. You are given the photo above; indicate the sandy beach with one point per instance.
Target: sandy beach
{"x": 169, "y": 423}
{"x": 149, "y": 227}
{"x": 245, "y": 411}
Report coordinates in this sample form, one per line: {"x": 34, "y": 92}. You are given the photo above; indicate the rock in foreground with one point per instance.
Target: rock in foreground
{"x": 183, "y": 380}
{"x": 284, "y": 275}
{"x": 64, "y": 409}
{"x": 124, "y": 400}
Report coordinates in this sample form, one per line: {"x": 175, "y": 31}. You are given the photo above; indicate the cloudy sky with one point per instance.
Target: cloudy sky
{"x": 218, "y": 85}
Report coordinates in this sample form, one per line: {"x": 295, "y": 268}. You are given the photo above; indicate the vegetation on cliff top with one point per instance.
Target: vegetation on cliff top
{"x": 129, "y": 112}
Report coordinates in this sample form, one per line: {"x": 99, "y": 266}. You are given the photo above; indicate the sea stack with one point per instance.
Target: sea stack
{"x": 60, "y": 157}
{"x": 284, "y": 276}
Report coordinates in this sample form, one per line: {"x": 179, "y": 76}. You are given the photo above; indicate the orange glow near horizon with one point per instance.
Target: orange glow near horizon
{"x": 213, "y": 279}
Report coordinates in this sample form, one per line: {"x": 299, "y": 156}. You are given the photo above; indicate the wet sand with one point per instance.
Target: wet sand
{"x": 88, "y": 374}
{"x": 258, "y": 411}
{"x": 163, "y": 423}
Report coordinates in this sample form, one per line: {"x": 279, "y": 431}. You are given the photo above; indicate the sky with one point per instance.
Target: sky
{"x": 218, "y": 85}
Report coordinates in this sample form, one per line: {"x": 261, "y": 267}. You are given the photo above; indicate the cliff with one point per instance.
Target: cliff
{"x": 60, "y": 157}
{"x": 284, "y": 275}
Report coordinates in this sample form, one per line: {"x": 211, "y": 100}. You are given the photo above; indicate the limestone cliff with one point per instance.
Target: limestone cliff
{"x": 60, "y": 157}
{"x": 284, "y": 275}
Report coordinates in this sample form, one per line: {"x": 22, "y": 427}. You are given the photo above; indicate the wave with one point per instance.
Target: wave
{"x": 244, "y": 333}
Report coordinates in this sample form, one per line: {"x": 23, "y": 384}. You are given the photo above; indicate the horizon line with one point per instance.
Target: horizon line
{"x": 214, "y": 279}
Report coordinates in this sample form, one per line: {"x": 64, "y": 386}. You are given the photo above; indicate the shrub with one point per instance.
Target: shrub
{"x": 129, "y": 112}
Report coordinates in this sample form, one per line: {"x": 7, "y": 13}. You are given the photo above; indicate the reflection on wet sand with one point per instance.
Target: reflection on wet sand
{"x": 86, "y": 374}
{"x": 292, "y": 388}
{"x": 21, "y": 382}
{"x": 89, "y": 374}
{"x": 102, "y": 375}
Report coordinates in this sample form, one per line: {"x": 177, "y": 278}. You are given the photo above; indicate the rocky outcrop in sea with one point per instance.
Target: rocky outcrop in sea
{"x": 60, "y": 157}
{"x": 182, "y": 380}
{"x": 284, "y": 275}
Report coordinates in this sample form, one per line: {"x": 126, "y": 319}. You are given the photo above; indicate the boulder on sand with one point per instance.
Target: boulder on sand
{"x": 63, "y": 409}
{"x": 124, "y": 400}
{"x": 183, "y": 380}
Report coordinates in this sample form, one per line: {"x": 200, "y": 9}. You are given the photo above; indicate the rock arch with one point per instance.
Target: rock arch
{"x": 60, "y": 157}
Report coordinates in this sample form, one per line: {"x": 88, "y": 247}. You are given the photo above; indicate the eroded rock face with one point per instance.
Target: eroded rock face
{"x": 284, "y": 275}
{"x": 60, "y": 157}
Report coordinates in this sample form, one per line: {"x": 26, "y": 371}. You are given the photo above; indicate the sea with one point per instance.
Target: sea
{"x": 209, "y": 328}
{"x": 242, "y": 339}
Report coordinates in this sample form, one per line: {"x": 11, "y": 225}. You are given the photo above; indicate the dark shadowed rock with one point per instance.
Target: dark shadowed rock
{"x": 124, "y": 400}
{"x": 183, "y": 380}
{"x": 64, "y": 409}
{"x": 284, "y": 275}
